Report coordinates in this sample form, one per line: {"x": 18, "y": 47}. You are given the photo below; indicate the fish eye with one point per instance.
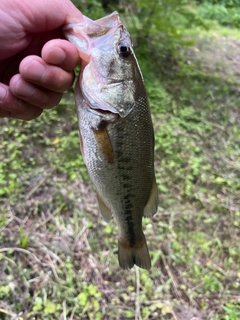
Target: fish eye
{"x": 124, "y": 50}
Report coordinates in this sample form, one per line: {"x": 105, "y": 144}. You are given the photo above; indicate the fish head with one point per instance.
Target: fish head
{"x": 110, "y": 75}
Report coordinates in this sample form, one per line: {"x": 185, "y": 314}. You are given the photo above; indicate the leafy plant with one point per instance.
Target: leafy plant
{"x": 232, "y": 310}
{"x": 23, "y": 237}
{"x": 226, "y": 3}
{"x": 226, "y": 14}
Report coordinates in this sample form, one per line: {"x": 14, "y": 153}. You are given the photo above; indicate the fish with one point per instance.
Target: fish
{"x": 116, "y": 131}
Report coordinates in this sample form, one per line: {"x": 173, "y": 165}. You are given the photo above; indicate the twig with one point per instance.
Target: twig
{"x": 137, "y": 301}
{"x": 9, "y": 260}
{"x": 6, "y": 224}
{"x": 51, "y": 254}
{"x": 64, "y": 310}
{"x": 10, "y": 314}
{"x": 53, "y": 268}
{"x": 174, "y": 314}
{"x": 73, "y": 313}
{"x": 217, "y": 267}
{"x": 51, "y": 216}
{"x": 233, "y": 164}
{"x": 41, "y": 224}
{"x": 81, "y": 233}
{"x": 23, "y": 251}
{"x": 170, "y": 274}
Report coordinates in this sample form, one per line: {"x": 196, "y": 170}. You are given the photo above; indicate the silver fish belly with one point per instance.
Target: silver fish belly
{"x": 117, "y": 138}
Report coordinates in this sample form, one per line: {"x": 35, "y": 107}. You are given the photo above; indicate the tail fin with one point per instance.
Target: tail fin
{"x": 128, "y": 256}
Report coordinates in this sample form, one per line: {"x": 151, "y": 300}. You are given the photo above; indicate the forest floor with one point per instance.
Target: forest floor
{"x": 58, "y": 258}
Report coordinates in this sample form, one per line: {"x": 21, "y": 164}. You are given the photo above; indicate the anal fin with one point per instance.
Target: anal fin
{"x": 105, "y": 211}
{"x": 152, "y": 204}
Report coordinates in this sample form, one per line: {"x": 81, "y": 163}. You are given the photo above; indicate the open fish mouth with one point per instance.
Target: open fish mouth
{"x": 108, "y": 116}
{"x": 104, "y": 107}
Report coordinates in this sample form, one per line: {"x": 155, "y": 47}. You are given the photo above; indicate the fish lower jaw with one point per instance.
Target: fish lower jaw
{"x": 100, "y": 111}
{"x": 98, "y": 107}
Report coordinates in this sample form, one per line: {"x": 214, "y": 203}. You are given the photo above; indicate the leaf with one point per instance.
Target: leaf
{"x": 50, "y": 307}
{"x": 82, "y": 298}
{"x": 55, "y": 141}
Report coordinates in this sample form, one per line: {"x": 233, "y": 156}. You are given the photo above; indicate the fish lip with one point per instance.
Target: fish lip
{"x": 98, "y": 106}
{"x": 101, "y": 110}
{"x": 108, "y": 116}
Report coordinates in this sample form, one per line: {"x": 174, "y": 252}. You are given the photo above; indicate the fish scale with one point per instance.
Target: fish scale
{"x": 116, "y": 132}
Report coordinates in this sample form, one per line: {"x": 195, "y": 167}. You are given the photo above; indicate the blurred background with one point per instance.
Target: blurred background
{"x": 58, "y": 258}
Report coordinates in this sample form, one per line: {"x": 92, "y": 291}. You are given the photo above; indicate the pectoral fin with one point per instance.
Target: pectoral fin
{"x": 104, "y": 143}
{"x": 152, "y": 204}
{"x": 105, "y": 211}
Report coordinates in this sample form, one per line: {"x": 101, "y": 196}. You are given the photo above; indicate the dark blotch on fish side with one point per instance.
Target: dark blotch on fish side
{"x": 125, "y": 176}
{"x": 129, "y": 219}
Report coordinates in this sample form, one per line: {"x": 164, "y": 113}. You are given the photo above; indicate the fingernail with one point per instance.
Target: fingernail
{"x": 35, "y": 71}
{"x": 24, "y": 89}
{"x": 3, "y": 92}
{"x": 59, "y": 56}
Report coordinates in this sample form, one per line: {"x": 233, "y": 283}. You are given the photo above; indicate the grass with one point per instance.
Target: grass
{"x": 58, "y": 257}
{"x": 214, "y": 30}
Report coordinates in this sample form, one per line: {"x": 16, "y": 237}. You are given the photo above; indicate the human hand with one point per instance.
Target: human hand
{"x": 36, "y": 63}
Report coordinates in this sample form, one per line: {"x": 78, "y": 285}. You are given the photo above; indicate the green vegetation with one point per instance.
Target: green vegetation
{"x": 58, "y": 257}
{"x": 222, "y": 14}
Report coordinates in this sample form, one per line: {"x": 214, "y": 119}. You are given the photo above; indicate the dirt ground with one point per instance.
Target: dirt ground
{"x": 219, "y": 56}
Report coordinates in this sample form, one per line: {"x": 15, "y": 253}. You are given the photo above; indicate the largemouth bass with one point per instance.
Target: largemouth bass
{"x": 116, "y": 132}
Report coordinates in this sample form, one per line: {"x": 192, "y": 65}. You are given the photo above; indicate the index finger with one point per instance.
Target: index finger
{"x": 61, "y": 53}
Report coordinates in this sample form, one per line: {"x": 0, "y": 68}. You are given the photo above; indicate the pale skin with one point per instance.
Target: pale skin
{"x": 36, "y": 63}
